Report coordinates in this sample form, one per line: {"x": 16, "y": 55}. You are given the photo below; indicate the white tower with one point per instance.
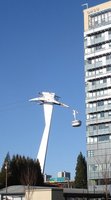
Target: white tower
{"x": 48, "y": 100}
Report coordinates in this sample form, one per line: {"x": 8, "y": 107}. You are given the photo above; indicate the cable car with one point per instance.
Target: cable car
{"x": 75, "y": 122}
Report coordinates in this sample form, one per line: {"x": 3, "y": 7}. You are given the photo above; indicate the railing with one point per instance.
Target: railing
{"x": 98, "y": 86}
{"x": 99, "y": 132}
{"x": 95, "y": 65}
{"x": 97, "y": 40}
{"x": 108, "y": 62}
{"x": 98, "y": 108}
{"x": 71, "y": 194}
{"x": 96, "y": 98}
{"x": 100, "y": 75}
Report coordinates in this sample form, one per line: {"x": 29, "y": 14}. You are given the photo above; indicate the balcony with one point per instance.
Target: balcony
{"x": 99, "y": 132}
{"x": 97, "y": 40}
{"x": 96, "y": 76}
{"x": 98, "y": 109}
{"x": 98, "y": 86}
{"x": 93, "y": 66}
{"x": 101, "y": 120}
{"x": 96, "y": 51}
{"x": 97, "y": 98}
{"x": 108, "y": 62}
{"x": 109, "y": 37}
{"x": 97, "y": 25}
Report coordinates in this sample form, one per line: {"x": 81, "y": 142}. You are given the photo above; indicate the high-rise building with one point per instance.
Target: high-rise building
{"x": 97, "y": 48}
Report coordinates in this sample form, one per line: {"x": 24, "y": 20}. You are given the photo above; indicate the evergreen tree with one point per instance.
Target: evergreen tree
{"x": 31, "y": 173}
{"x": 21, "y": 171}
{"x": 5, "y": 166}
{"x": 81, "y": 172}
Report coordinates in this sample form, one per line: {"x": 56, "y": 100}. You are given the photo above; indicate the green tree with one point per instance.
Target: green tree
{"x": 81, "y": 172}
{"x": 6, "y": 164}
{"x": 31, "y": 174}
{"x": 21, "y": 170}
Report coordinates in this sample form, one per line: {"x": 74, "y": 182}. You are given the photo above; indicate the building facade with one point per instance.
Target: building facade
{"x": 47, "y": 177}
{"x": 97, "y": 57}
{"x": 66, "y": 175}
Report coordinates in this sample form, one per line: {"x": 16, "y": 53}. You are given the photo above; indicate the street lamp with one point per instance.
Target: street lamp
{"x": 6, "y": 166}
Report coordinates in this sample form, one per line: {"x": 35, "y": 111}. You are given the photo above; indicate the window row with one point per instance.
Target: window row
{"x": 99, "y": 103}
{"x": 99, "y": 59}
{"x": 101, "y": 115}
{"x": 98, "y": 127}
{"x": 98, "y": 71}
{"x": 95, "y": 60}
{"x": 99, "y": 167}
{"x": 100, "y": 138}
{"x": 98, "y": 48}
{"x": 99, "y": 181}
{"x": 97, "y": 37}
{"x": 100, "y": 81}
{"x": 99, "y": 93}
{"x": 99, "y": 19}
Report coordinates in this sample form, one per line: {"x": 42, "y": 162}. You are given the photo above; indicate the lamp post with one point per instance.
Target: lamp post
{"x": 6, "y": 177}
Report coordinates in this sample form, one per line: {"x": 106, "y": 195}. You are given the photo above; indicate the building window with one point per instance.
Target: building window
{"x": 98, "y": 19}
{"x": 93, "y": 116}
{"x": 108, "y": 68}
{"x": 91, "y": 140}
{"x": 109, "y": 102}
{"x": 103, "y": 126}
{"x": 103, "y": 138}
{"x": 93, "y": 82}
{"x": 93, "y": 168}
{"x": 102, "y": 114}
{"x": 104, "y": 80}
{"x": 90, "y": 153}
{"x": 97, "y": 35}
{"x": 94, "y": 127}
{"x": 109, "y": 32}
{"x": 98, "y": 47}
{"x": 100, "y": 103}
{"x": 95, "y": 139}
{"x": 109, "y": 113}
{"x": 108, "y": 57}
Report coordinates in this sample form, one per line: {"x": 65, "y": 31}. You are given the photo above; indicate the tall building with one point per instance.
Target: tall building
{"x": 97, "y": 57}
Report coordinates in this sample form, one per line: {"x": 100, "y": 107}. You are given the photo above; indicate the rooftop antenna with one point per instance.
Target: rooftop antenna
{"x": 48, "y": 100}
{"x": 86, "y": 5}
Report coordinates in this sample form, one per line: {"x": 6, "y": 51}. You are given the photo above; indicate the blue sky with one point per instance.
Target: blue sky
{"x": 41, "y": 49}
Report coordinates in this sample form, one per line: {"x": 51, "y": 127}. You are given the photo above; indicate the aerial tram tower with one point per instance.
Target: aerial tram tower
{"x": 48, "y": 100}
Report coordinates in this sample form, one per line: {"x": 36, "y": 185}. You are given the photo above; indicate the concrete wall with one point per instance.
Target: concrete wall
{"x": 44, "y": 194}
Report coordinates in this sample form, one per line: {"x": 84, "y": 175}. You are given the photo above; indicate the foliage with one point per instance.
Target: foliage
{"x": 3, "y": 170}
{"x": 81, "y": 172}
{"x": 21, "y": 170}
